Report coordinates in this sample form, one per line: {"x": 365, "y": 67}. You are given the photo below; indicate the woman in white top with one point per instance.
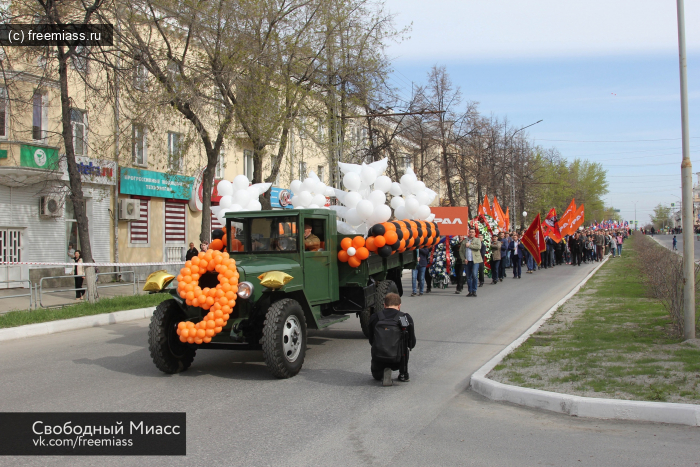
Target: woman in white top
{"x": 79, "y": 272}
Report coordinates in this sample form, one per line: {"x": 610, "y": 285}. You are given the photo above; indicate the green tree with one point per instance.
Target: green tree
{"x": 661, "y": 216}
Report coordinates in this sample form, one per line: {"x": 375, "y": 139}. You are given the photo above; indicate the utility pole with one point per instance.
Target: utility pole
{"x": 687, "y": 186}
{"x": 635, "y": 214}
{"x": 512, "y": 170}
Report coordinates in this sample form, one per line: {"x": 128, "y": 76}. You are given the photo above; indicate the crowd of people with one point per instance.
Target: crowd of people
{"x": 509, "y": 255}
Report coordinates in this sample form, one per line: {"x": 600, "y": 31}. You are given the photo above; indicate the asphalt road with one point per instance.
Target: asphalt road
{"x": 667, "y": 241}
{"x": 333, "y": 412}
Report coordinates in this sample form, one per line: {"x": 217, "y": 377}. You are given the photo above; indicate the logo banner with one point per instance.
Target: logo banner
{"x": 452, "y": 220}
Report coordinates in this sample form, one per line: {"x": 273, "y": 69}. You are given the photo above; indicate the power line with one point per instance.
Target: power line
{"x": 620, "y": 141}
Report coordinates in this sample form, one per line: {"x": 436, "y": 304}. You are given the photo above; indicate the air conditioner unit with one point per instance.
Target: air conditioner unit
{"x": 129, "y": 209}
{"x": 51, "y": 206}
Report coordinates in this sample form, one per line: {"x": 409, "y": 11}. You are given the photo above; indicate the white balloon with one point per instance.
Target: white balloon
{"x": 296, "y": 187}
{"x": 352, "y": 218}
{"x": 225, "y": 188}
{"x": 351, "y": 251}
{"x": 422, "y": 212}
{"x": 305, "y": 198}
{"x": 423, "y": 197}
{"x": 235, "y": 208}
{"x": 408, "y": 178}
{"x": 412, "y": 206}
{"x": 319, "y": 200}
{"x": 241, "y": 182}
{"x": 242, "y": 197}
{"x": 295, "y": 201}
{"x": 431, "y": 218}
{"x": 395, "y": 189}
{"x": 432, "y": 195}
{"x": 352, "y": 198}
{"x": 319, "y": 188}
{"x": 254, "y": 205}
{"x": 253, "y": 192}
{"x": 340, "y": 210}
{"x": 397, "y": 201}
{"x": 368, "y": 175}
{"x": 330, "y": 191}
{"x": 225, "y": 202}
{"x": 377, "y": 197}
{"x": 401, "y": 213}
{"x": 417, "y": 187}
{"x": 344, "y": 228}
{"x": 351, "y": 181}
{"x": 348, "y": 168}
{"x": 308, "y": 185}
{"x": 340, "y": 195}
{"x": 314, "y": 206}
{"x": 382, "y": 183}
{"x": 381, "y": 214}
{"x": 407, "y": 188}
{"x": 313, "y": 175}
{"x": 380, "y": 166}
{"x": 365, "y": 208}
{"x": 261, "y": 188}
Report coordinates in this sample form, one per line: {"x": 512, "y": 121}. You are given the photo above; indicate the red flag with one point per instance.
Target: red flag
{"x": 507, "y": 214}
{"x": 485, "y": 207}
{"x": 565, "y": 220}
{"x": 551, "y": 226}
{"x": 498, "y": 214}
{"x": 577, "y": 219}
{"x": 531, "y": 239}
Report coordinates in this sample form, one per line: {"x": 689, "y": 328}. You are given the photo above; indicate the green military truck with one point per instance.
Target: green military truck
{"x": 323, "y": 291}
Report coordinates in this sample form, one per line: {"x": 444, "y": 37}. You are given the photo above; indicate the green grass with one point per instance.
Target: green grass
{"x": 104, "y": 305}
{"x": 620, "y": 345}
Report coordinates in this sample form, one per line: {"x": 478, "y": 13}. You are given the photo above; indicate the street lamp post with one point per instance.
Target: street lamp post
{"x": 512, "y": 169}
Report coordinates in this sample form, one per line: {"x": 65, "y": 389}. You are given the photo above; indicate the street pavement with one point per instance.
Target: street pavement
{"x": 333, "y": 412}
{"x": 667, "y": 241}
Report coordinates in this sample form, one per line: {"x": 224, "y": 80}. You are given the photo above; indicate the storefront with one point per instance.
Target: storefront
{"x": 160, "y": 226}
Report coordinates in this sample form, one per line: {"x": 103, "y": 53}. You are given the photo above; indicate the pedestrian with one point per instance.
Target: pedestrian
{"x": 613, "y": 245}
{"x": 482, "y": 265}
{"x": 675, "y": 242}
{"x": 599, "y": 246}
{"x": 505, "y": 256}
{"x": 419, "y": 272}
{"x": 203, "y": 247}
{"x": 79, "y": 273}
{"x": 458, "y": 267}
{"x": 428, "y": 277}
{"x": 517, "y": 249}
{"x": 191, "y": 253}
{"x": 384, "y": 344}
{"x": 71, "y": 252}
{"x": 495, "y": 258}
{"x": 471, "y": 255}
{"x": 619, "y": 244}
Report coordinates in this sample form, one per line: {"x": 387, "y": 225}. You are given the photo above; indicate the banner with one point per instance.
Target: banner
{"x": 551, "y": 226}
{"x": 507, "y": 214}
{"x": 498, "y": 214}
{"x": 531, "y": 239}
{"x": 159, "y": 185}
{"x": 565, "y": 220}
{"x": 577, "y": 219}
{"x": 452, "y": 220}
{"x": 38, "y": 157}
{"x": 485, "y": 207}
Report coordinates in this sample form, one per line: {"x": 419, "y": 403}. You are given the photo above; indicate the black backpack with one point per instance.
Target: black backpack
{"x": 387, "y": 344}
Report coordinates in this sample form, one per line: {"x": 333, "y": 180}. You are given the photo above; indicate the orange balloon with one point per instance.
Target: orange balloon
{"x": 210, "y": 333}
{"x": 195, "y": 302}
{"x": 389, "y": 226}
{"x": 201, "y": 333}
{"x": 224, "y": 239}
{"x": 369, "y": 243}
{"x": 180, "y": 278}
{"x": 183, "y": 339}
{"x": 345, "y": 243}
{"x": 391, "y": 237}
{"x": 186, "y": 272}
{"x": 379, "y": 241}
{"x": 343, "y": 256}
{"x": 362, "y": 253}
{"x": 354, "y": 262}
{"x": 195, "y": 277}
{"x": 190, "y": 340}
{"x": 217, "y": 330}
{"x": 218, "y": 314}
{"x": 358, "y": 242}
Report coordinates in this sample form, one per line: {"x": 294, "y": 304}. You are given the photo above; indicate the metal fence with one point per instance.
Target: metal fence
{"x": 40, "y": 289}
{"x": 32, "y": 302}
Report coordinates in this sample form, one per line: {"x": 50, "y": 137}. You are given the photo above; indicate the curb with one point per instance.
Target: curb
{"x": 72, "y": 324}
{"x": 577, "y": 406}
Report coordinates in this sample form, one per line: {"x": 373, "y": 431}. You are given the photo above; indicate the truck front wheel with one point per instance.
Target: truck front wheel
{"x": 382, "y": 288}
{"x": 168, "y": 353}
{"x": 284, "y": 338}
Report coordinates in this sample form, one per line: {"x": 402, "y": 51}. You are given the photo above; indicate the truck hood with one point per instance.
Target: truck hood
{"x": 250, "y": 269}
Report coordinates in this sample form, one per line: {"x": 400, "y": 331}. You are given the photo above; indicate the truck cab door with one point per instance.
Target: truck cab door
{"x": 317, "y": 262}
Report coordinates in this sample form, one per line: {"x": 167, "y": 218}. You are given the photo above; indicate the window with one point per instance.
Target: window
{"x": 215, "y": 224}
{"x": 138, "y": 230}
{"x": 80, "y": 59}
{"x": 302, "y": 170}
{"x": 10, "y": 245}
{"x": 174, "y": 152}
{"x": 302, "y": 127}
{"x": 322, "y": 173}
{"x": 141, "y": 78}
{"x": 221, "y": 163}
{"x": 175, "y": 222}
{"x": 78, "y": 121}
{"x": 363, "y": 140}
{"x": 271, "y": 234}
{"x": 39, "y": 115}
{"x": 406, "y": 163}
{"x": 3, "y": 113}
{"x": 139, "y": 146}
{"x": 321, "y": 130}
{"x": 248, "y": 166}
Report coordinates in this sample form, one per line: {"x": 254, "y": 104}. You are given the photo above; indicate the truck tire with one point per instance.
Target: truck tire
{"x": 284, "y": 338}
{"x": 168, "y": 353}
{"x": 382, "y": 288}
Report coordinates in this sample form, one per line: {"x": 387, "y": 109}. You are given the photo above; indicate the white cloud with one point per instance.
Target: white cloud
{"x": 455, "y": 29}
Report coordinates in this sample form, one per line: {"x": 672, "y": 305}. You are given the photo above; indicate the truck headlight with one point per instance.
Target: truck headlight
{"x": 245, "y": 290}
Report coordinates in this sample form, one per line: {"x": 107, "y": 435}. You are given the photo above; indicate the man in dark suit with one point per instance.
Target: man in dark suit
{"x": 191, "y": 253}
{"x": 505, "y": 245}
{"x": 518, "y": 252}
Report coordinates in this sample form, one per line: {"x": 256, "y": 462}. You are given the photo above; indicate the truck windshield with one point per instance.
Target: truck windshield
{"x": 265, "y": 234}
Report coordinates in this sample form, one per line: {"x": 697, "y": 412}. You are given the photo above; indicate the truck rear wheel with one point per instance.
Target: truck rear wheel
{"x": 382, "y": 288}
{"x": 168, "y": 353}
{"x": 284, "y": 338}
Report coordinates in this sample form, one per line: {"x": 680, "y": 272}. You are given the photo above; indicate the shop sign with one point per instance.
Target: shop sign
{"x": 156, "y": 184}
{"x": 92, "y": 170}
{"x": 38, "y": 157}
{"x": 280, "y": 198}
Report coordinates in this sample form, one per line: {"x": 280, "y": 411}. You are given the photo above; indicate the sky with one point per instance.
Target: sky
{"x": 603, "y": 76}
